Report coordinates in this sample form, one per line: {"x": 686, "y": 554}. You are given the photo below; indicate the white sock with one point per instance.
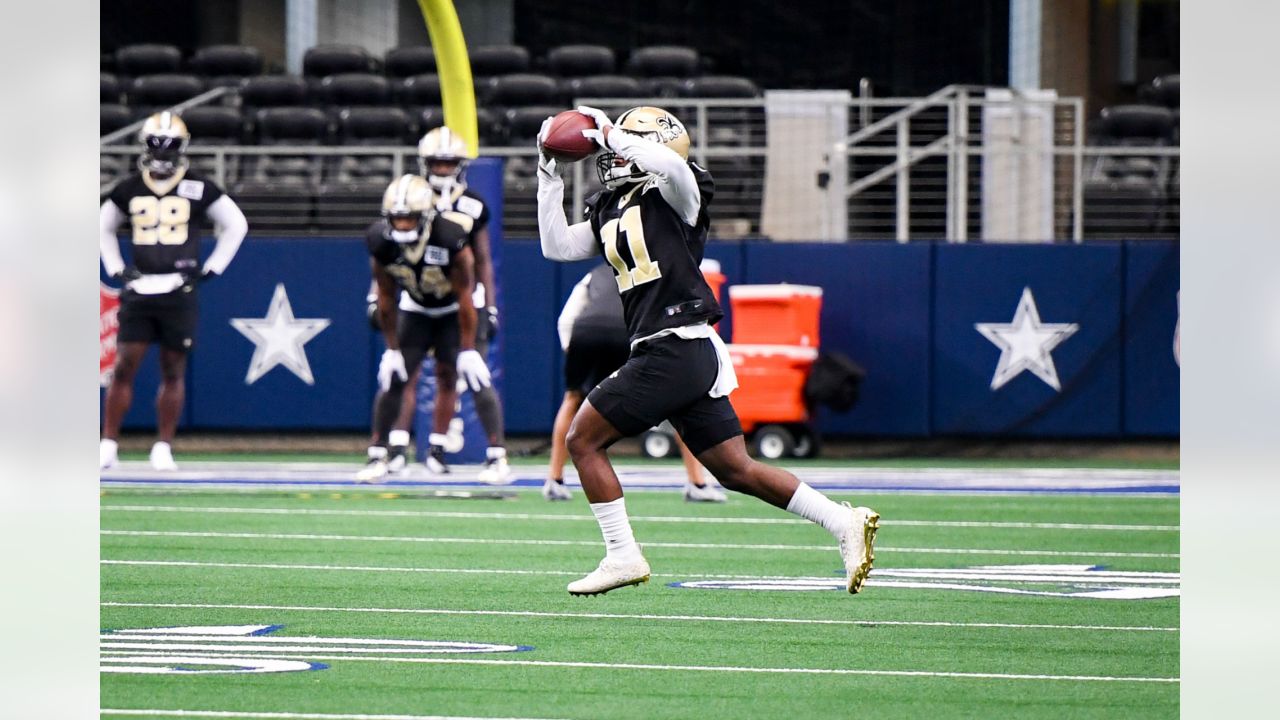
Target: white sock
{"x": 816, "y": 507}
{"x": 398, "y": 438}
{"x": 495, "y": 453}
{"x": 108, "y": 445}
{"x": 377, "y": 452}
{"x": 161, "y": 446}
{"x": 619, "y": 542}
{"x": 437, "y": 439}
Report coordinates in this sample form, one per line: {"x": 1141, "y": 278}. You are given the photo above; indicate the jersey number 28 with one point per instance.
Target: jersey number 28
{"x": 163, "y": 220}
{"x": 646, "y": 270}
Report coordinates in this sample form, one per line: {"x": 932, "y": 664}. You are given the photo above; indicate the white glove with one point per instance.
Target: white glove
{"x": 471, "y": 368}
{"x": 392, "y": 364}
{"x": 601, "y": 120}
{"x": 546, "y": 165}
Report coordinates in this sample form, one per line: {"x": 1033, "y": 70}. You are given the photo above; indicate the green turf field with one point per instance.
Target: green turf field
{"x": 342, "y": 573}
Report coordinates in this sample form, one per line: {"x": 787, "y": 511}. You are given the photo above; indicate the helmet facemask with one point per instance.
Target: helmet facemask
{"x": 162, "y": 155}
{"x": 613, "y": 174}
{"x": 442, "y": 182}
{"x": 414, "y": 222}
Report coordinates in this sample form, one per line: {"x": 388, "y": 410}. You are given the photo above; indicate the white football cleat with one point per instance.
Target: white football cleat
{"x": 496, "y": 471}
{"x": 397, "y": 458}
{"x": 704, "y": 493}
{"x": 554, "y": 491}
{"x": 611, "y": 575}
{"x": 107, "y": 453}
{"x": 375, "y": 471}
{"x": 856, "y": 546}
{"x": 162, "y": 457}
{"x": 435, "y": 461}
{"x": 455, "y": 440}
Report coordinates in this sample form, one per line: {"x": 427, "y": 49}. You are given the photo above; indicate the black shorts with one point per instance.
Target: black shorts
{"x": 419, "y": 333}
{"x": 668, "y": 379}
{"x": 168, "y": 319}
{"x": 592, "y": 357}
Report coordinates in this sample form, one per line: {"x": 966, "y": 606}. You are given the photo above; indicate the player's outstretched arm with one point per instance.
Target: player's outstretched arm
{"x": 673, "y": 176}
{"x": 230, "y": 227}
{"x": 109, "y": 219}
{"x": 560, "y": 240}
{"x": 387, "y": 292}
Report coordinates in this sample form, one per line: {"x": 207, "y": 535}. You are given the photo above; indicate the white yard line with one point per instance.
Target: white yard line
{"x": 632, "y": 616}
{"x": 110, "y": 712}
{"x": 637, "y": 518}
{"x": 737, "y": 669}
{"x": 596, "y": 543}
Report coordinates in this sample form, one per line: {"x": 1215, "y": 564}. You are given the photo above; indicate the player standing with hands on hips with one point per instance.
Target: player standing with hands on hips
{"x": 164, "y": 203}
{"x": 650, "y": 223}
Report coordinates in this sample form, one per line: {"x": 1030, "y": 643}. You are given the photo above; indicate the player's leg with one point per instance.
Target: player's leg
{"x": 445, "y": 341}
{"x": 727, "y": 459}
{"x": 398, "y": 438}
{"x": 119, "y": 397}
{"x": 496, "y": 471}
{"x": 169, "y": 401}
{"x": 412, "y": 334}
{"x": 554, "y": 487}
{"x": 696, "y": 488}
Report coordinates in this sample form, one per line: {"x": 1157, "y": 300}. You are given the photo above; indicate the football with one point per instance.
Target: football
{"x": 564, "y": 140}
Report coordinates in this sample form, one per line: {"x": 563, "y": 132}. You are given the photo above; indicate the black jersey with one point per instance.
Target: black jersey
{"x": 166, "y": 217}
{"x": 422, "y": 268}
{"x": 467, "y": 202}
{"x": 655, "y": 256}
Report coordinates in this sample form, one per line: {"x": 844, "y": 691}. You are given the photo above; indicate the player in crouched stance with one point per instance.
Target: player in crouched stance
{"x": 650, "y": 223}
{"x": 426, "y": 254}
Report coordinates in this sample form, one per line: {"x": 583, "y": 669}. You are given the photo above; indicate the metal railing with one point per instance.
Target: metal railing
{"x": 940, "y": 167}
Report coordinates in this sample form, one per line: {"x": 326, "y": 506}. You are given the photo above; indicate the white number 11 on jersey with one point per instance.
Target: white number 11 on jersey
{"x": 646, "y": 270}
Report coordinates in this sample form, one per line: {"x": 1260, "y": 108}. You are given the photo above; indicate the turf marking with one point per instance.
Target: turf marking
{"x": 760, "y": 670}
{"x": 596, "y": 543}
{"x": 109, "y": 712}
{"x": 634, "y": 616}
{"x": 637, "y": 518}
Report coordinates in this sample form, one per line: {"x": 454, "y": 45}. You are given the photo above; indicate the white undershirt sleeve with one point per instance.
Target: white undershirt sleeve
{"x": 560, "y": 240}
{"x": 673, "y": 176}
{"x": 109, "y": 219}
{"x": 572, "y": 309}
{"x": 230, "y": 228}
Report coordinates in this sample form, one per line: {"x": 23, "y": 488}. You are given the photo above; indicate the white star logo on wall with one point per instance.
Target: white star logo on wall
{"x": 1026, "y": 343}
{"x": 279, "y": 339}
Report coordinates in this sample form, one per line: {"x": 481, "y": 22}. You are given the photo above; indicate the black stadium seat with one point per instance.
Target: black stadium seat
{"x": 418, "y": 90}
{"x": 214, "y": 125}
{"x": 1136, "y": 125}
{"x": 355, "y": 89}
{"x": 604, "y": 86}
{"x": 373, "y": 126}
{"x": 491, "y": 60}
{"x": 663, "y": 61}
{"x": 227, "y": 60}
{"x": 108, "y": 89}
{"x": 1125, "y": 195}
{"x": 1165, "y": 90}
{"x": 156, "y": 92}
{"x": 521, "y": 89}
{"x": 291, "y": 125}
{"x": 264, "y": 91}
{"x": 325, "y": 60}
{"x": 662, "y": 87}
{"x": 521, "y": 125}
{"x": 107, "y": 62}
{"x": 406, "y": 62}
{"x": 570, "y": 61}
{"x": 719, "y": 86}
{"x": 429, "y": 118}
{"x": 147, "y": 59}
{"x": 112, "y": 117}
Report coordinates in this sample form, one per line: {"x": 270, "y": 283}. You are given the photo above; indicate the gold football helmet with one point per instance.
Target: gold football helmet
{"x": 648, "y": 122}
{"x": 406, "y": 205}
{"x": 164, "y": 139}
{"x": 442, "y": 155}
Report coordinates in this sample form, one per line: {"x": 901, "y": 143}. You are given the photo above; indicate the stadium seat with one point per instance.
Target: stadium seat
{"x": 286, "y": 126}
{"x": 264, "y": 91}
{"x": 355, "y": 89}
{"x": 147, "y": 59}
{"x": 112, "y": 117}
{"x": 603, "y": 86}
{"x": 522, "y": 89}
{"x": 663, "y": 61}
{"x": 214, "y": 125}
{"x": 719, "y": 86}
{"x": 368, "y": 126}
{"x": 520, "y": 125}
{"x": 1136, "y": 125}
{"x": 291, "y": 125}
{"x": 571, "y": 61}
{"x": 152, "y": 93}
{"x": 1125, "y": 195}
{"x": 491, "y": 60}
{"x": 1165, "y": 90}
{"x": 404, "y": 62}
{"x": 108, "y": 89}
{"x": 107, "y": 62}
{"x": 417, "y": 90}
{"x": 429, "y": 118}
{"x": 324, "y": 60}
{"x": 217, "y": 61}
{"x": 662, "y": 87}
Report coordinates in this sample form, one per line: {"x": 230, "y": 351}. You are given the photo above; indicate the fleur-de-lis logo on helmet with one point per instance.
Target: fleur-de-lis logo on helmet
{"x": 651, "y": 123}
